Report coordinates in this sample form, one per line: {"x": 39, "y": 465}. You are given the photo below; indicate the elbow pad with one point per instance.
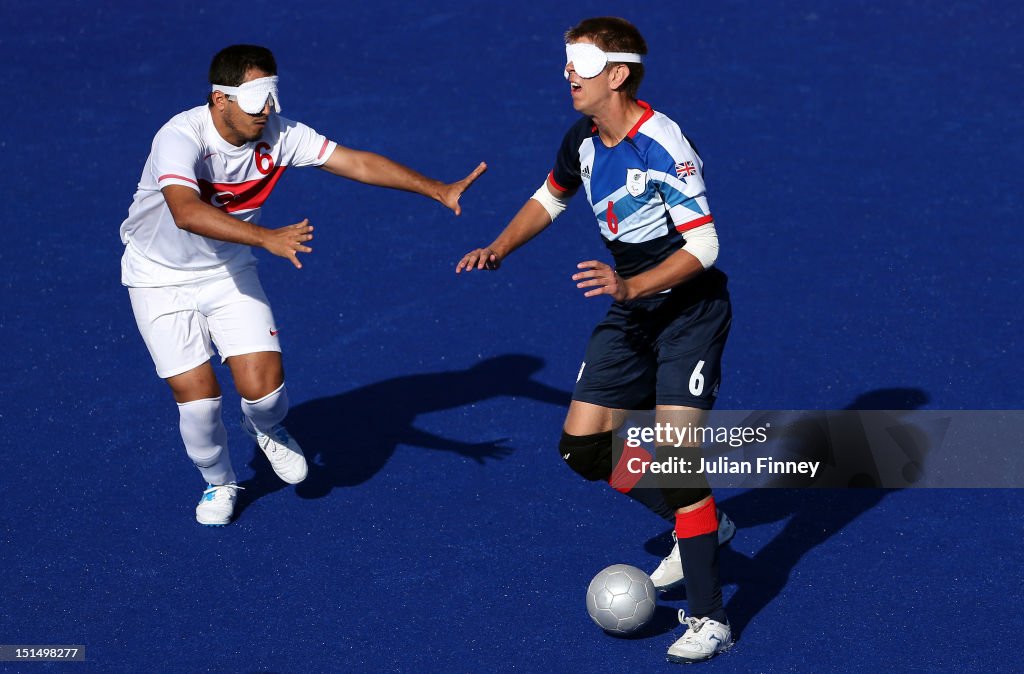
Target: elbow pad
{"x": 552, "y": 204}
{"x": 702, "y": 243}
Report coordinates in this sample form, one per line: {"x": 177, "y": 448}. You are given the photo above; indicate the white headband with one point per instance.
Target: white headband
{"x": 253, "y": 95}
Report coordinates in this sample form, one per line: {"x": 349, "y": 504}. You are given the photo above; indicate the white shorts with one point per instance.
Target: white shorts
{"x": 180, "y": 324}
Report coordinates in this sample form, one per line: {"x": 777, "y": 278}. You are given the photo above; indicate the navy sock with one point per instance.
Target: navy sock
{"x": 699, "y": 555}
{"x": 697, "y": 533}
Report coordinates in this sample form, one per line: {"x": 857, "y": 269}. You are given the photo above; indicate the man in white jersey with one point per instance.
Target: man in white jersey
{"x": 661, "y": 343}
{"x": 189, "y": 268}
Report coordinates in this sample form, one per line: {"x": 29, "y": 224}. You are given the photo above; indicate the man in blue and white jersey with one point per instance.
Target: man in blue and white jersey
{"x": 661, "y": 343}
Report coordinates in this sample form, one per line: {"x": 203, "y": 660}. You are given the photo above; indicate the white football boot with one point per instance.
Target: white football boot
{"x": 669, "y": 574}
{"x": 217, "y": 504}
{"x": 281, "y": 448}
{"x": 703, "y": 639}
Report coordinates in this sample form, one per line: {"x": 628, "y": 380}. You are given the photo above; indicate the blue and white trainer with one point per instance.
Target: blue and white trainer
{"x": 217, "y": 505}
{"x": 669, "y": 574}
{"x": 282, "y": 450}
{"x": 703, "y": 639}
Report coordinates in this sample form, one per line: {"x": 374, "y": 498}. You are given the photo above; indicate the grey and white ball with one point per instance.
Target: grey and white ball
{"x": 621, "y": 599}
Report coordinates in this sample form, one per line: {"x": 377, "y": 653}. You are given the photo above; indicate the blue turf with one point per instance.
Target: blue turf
{"x": 861, "y": 160}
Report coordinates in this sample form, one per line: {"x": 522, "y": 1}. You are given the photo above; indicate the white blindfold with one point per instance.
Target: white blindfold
{"x": 252, "y": 96}
{"x": 588, "y": 60}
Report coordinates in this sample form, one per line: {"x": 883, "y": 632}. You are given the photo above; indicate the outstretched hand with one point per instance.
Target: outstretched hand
{"x": 288, "y": 241}
{"x": 481, "y": 258}
{"x": 602, "y": 280}
{"x": 449, "y": 194}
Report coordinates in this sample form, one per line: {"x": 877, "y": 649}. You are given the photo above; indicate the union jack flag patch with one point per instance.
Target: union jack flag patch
{"x": 684, "y": 169}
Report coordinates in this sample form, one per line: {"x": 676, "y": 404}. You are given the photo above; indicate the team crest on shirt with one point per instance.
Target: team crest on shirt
{"x": 636, "y": 181}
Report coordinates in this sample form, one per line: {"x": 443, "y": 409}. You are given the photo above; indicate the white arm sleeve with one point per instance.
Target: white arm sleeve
{"x": 303, "y": 146}
{"x": 702, "y": 243}
{"x": 173, "y": 158}
{"x": 552, "y": 204}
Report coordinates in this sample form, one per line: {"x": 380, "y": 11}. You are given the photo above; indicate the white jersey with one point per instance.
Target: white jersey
{"x": 189, "y": 151}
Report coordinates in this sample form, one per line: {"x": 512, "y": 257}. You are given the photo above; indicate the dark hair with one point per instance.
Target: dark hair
{"x": 231, "y": 64}
{"x": 612, "y": 34}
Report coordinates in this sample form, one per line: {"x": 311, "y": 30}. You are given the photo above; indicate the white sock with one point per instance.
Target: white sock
{"x": 268, "y": 411}
{"x": 206, "y": 439}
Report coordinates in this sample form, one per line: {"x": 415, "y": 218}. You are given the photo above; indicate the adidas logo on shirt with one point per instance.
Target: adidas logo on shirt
{"x": 585, "y": 172}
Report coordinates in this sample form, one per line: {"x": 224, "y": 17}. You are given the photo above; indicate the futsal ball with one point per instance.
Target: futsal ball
{"x": 621, "y": 599}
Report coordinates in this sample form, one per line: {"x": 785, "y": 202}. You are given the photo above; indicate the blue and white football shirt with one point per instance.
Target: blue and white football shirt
{"x": 646, "y": 192}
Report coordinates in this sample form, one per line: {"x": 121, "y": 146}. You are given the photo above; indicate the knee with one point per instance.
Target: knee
{"x": 199, "y": 383}
{"x": 202, "y": 430}
{"x": 257, "y": 375}
{"x": 269, "y": 410}
{"x": 588, "y": 455}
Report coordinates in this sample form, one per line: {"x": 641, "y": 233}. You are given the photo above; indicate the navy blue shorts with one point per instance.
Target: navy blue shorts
{"x": 661, "y": 350}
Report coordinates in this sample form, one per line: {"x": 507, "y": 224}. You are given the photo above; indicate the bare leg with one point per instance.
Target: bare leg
{"x": 257, "y": 374}
{"x": 196, "y": 384}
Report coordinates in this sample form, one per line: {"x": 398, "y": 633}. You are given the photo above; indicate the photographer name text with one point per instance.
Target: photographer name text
{"x": 722, "y": 466}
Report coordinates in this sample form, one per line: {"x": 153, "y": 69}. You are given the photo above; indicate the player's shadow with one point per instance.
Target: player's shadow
{"x": 813, "y": 516}
{"x": 349, "y": 437}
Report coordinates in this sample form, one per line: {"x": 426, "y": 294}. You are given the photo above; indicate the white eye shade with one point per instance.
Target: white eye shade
{"x": 588, "y": 60}
{"x": 253, "y": 95}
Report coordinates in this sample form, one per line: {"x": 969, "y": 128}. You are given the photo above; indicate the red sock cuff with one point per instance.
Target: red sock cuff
{"x": 703, "y": 520}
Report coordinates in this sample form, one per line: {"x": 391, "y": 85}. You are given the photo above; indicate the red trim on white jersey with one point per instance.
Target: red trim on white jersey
{"x": 245, "y": 196}
{"x": 648, "y": 113}
{"x": 693, "y": 224}
{"x": 176, "y": 177}
{"x": 323, "y": 149}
